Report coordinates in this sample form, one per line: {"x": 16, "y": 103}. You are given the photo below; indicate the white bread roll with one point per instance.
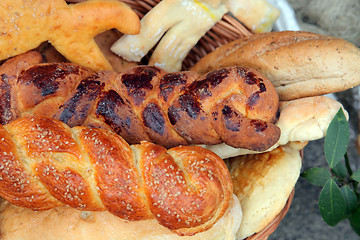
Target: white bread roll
{"x": 263, "y": 183}
{"x": 17, "y": 223}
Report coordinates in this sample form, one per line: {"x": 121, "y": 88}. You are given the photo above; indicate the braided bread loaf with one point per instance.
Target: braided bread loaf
{"x": 45, "y": 164}
{"x": 234, "y": 105}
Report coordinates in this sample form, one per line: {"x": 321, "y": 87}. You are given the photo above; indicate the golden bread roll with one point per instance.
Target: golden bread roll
{"x": 304, "y": 119}
{"x": 234, "y": 105}
{"x": 45, "y": 164}
{"x": 17, "y": 223}
{"x": 69, "y": 28}
{"x": 299, "y": 64}
{"x": 263, "y": 183}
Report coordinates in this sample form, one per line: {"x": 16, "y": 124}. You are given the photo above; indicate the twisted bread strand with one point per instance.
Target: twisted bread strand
{"x": 234, "y": 105}
{"x": 45, "y": 164}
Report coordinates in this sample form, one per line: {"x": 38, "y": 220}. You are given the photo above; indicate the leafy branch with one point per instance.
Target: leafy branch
{"x": 339, "y": 197}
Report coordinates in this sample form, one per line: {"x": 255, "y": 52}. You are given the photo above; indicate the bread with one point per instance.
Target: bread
{"x": 263, "y": 183}
{"x": 257, "y": 15}
{"x": 234, "y": 105}
{"x": 9, "y": 71}
{"x": 304, "y": 119}
{"x": 170, "y": 26}
{"x": 105, "y": 40}
{"x": 299, "y": 64}
{"x": 45, "y": 164}
{"x": 69, "y": 28}
{"x": 67, "y": 223}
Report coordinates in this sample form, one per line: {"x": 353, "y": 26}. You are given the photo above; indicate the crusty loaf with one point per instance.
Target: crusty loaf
{"x": 300, "y": 64}
{"x": 234, "y": 105}
{"x": 45, "y": 164}
{"x": 17, "y": 223}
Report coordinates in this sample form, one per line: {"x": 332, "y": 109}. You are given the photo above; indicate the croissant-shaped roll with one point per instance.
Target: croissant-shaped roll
{"x": 45, "y": 164}
{"x": 234, "y": 105}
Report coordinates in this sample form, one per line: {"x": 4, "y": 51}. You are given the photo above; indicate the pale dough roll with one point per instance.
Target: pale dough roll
{"x": 17, "y": 223}
{"x": 263, "y": 183}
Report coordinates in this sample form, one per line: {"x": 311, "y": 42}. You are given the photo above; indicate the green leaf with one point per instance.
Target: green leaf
{"x": 340, "y": 170}
{"x": 356, "y": 176}
{"x": 338, "y": 181}
{"x": 336, "y": 139}
{"x": 355, "y": 221}
{"x": 317, "y": 176}
{"x": 332, "y": 203}
{"x": 350, "y": 199}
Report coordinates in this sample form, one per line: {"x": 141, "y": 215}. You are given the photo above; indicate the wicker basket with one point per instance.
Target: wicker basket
{"x": 226, "y": 30}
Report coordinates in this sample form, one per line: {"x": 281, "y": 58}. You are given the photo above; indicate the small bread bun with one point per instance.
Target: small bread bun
{"x": 67, "y": 223}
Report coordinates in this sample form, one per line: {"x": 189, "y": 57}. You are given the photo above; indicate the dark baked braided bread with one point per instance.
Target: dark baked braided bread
{"x": 234, "y": 105}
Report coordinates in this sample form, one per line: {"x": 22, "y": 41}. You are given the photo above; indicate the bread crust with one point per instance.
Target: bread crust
{"x": 9, "y": 72}
{"x": 234, "y": 105}
{"x": 70, "y": 28}
{"x": 292, "y": 60}
{"x": 45, "y": 164}
{"x": 304, "y": 119}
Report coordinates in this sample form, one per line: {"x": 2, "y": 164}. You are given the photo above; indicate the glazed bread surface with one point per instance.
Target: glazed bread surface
{"x": 301, "y": 120}
{"x": 234, "y": 105}
{"x": 46, "y": 164}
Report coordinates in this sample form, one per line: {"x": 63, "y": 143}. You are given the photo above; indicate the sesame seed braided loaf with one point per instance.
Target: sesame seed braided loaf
{"x": 44, "y": 164}
{"x": 235, "y": 105}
